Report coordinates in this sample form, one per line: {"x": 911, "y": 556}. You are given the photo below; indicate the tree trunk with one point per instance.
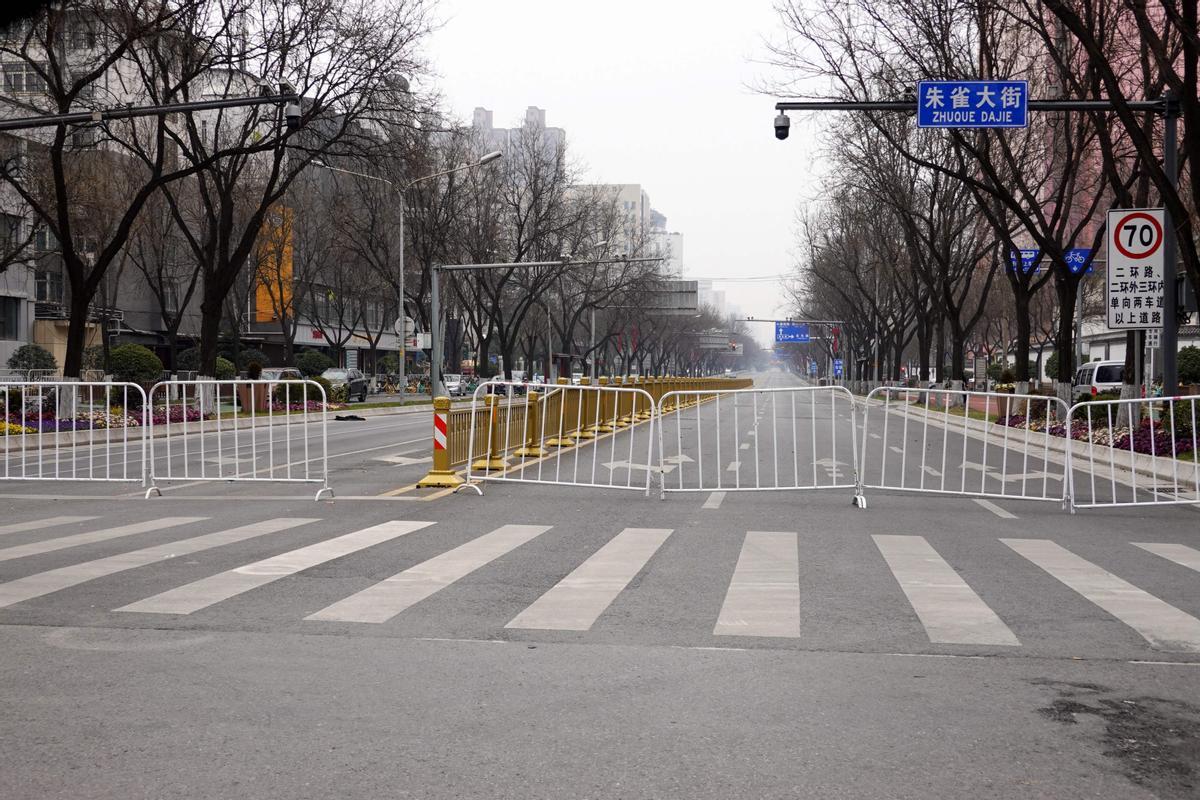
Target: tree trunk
{"x": 1024, "y": 328}
{"x": 1064, "y": 337}
{"x": 940, "y": 332}
{"x": 76, "y": 334}
{"x": 924, "y": 333}
{"x": 210, "y": 332}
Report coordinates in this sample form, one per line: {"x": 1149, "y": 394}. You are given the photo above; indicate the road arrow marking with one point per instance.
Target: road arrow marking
{"x": 404, "y": 461}
{"x": 647, "y": 467}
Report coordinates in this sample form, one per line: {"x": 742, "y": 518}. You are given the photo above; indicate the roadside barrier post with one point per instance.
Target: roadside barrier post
{"x": 533, "y": 428}
{"x": 624, "y": 402}
{"x": 567, "y": 412}
{"x": 607, "y": 412}
{"x": 441, "y": 476}
{"x": 651, "y": 386}
{"x": 494, "y": 460}
{"x": 588, "y": 403}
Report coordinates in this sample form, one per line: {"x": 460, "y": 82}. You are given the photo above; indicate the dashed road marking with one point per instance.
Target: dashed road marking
{"x": 995, "y": 509}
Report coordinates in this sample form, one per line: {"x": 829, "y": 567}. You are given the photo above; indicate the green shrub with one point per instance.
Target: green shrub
{"x": 1189, "y": 364}
{"x": 133, "y": 363}
{"x": 1052, "y": 366}
{"x": 225, "y": 370}
{"x": 254, "y": 370}
{"x": 1007, "y": 376}
{"x": 316, "y": 396}
{"x": 339, "y": 393}
{"x": 389, "y": 364}
{"x": 32, "y": 356}
{"x": 250, "y": 355}
{"x": 313, "y": 362}
{"x": 188, "y": 360}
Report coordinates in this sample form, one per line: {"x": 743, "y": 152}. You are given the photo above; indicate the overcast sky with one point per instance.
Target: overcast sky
{"x": 654, "y": 92}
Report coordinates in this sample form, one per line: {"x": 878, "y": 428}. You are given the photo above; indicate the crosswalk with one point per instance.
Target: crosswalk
{"x": 765, "y": 594}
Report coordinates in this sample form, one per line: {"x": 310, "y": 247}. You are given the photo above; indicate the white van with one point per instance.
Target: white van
{"x": 1098, "y": 376}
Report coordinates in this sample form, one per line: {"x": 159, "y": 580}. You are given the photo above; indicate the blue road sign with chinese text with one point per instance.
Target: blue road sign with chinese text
{"x": 1029, "y": 260}
{"x": 972, "y": 104}
{"x": 791, "y": 332}
{"x": 1076, "y": 257}
{"x": 837, "y": 368}
{"x": 812, "y": 368}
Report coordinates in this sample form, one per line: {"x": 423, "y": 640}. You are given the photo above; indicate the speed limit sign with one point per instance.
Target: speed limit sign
{"x": 1135, "y": 268}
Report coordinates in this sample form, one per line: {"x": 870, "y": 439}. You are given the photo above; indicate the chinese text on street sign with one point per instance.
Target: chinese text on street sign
{"x": 972, "y": 104}
{"x": 837, "y": 368}
{"x": 1135, "y": 268}
{"x": 790, "y": 332}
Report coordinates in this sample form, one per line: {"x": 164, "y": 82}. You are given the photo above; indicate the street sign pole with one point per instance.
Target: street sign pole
{"x": 1170, "y": 330}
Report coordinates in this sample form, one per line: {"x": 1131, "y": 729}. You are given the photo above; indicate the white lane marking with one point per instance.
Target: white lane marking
{"x": 224, "y": 585}
{"x": 950, "y": 610}
{"x": 744, "y": 446}
{"x": 1163, "y": 625}
{"x": 578, "y": 600}
{"x": 931, "y": 471}
{"x": 764, "y": 595}
{"x": 995, "y": 509}
{"x": 38, "y": 524}
{"x": 391, "y": 596}
{"x": 875, "y": 436}
{"x": 63, "y": 542}
{"x": 733, "y": 466}
{"x": 895, "y": 449}
{"x": 1181, "y": 554}
{"x": 54, "y": 580}
{"x": 714, "y": 500}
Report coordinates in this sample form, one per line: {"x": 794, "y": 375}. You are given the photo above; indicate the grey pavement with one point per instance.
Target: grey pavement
{"x": 552, "y": 641}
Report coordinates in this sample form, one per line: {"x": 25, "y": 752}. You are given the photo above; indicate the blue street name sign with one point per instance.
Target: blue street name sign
{"x": 791, "y": 332}
{"x": 812, "y": 368}
{"x": 837, "y": 368}
{"x": 972, "y": 104}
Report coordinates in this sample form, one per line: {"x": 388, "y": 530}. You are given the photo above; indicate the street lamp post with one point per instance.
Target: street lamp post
{"x": 401, "y": 193}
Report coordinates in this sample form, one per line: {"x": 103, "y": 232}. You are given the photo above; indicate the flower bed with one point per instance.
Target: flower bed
{"x": 1147, "y": 437}
{"x": 12, "y": 429}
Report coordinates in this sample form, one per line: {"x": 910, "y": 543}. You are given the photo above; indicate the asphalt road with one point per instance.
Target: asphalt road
{"x": 552, "y": 641}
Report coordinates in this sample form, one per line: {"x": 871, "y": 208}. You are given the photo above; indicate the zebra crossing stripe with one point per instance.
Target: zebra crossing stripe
{"x": 54, "y": 580}
{"x": 764, "y": 595}
{"x": 391, "y": 596}
{"x": 950, "y": 610}
{"x": 578, "y": 600}
{"x": 63, "y": 542}
{"x": 38, "y": 524}
{"x": 222, "y": 586}
{"x": 1181, "y": 554}
{"x": 1163, "y": 625}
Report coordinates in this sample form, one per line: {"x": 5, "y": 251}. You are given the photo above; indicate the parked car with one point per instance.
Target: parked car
{"x": 455, "y": 385}
{"x": 1096, "y": 377}
{"x": 354, "y": 381}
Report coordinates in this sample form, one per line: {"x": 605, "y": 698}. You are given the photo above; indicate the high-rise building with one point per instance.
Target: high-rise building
{"x": 504, "y": 139}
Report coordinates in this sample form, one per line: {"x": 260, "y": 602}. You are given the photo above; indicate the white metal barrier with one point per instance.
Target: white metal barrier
{"x": 1135, "y": 452}
{"x": 599, "y": 436}
{"x": 238, "y": 430}
{"x": 759, "y": 439}
{"x": 965, "y": 443}
{"x": 72, "y": 430}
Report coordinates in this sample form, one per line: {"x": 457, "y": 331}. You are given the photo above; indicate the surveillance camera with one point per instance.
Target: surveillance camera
{"x": 782, "y": 124}
{"x": 291, "y": 113}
